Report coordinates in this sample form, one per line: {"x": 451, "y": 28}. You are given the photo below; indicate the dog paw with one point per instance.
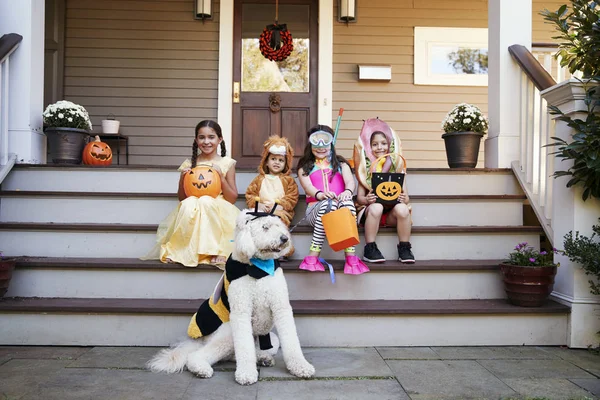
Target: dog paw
{"x": 265, "y": 360}
{"x": 200, "y": 369}
{"x": 246, "y": 377}
{"x": 302, "y": 369}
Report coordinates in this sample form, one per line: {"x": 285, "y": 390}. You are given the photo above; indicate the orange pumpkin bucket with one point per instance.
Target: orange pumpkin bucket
{"x": 340, "y": 229}
{"x": 202, "y": 180}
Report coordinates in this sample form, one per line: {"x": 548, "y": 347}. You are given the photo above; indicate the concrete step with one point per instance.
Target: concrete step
{"x": 133, "y": 241}
{"x": 150, "y": 179}
{"x": 148, "y": 208}
{"x": 132, "y": 278}
{"x": 158, "y": 322}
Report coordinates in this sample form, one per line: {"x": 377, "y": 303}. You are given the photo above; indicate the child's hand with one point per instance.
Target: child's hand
{"x": 262, "y": 207}
{"x": 185, "y": 171}
{"x": 330, "y": 195}
{"x": 268, "y": 205}
{"x": 216, "y": 168}
{"x": 403, "y": 198}
{"x": 371, "y": 198}
{"x": 345, "y": 195}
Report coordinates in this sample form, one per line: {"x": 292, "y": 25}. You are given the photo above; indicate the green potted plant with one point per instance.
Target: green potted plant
{"x": 464, "y": 126}
{"x": 586, "y": 251}
{"x": 67, "y": 126}
{"x": 7, "y": 266}
{"x": 579, "y": 50}
{"x": 529, "y": 275}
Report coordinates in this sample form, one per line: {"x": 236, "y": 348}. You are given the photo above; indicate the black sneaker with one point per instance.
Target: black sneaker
{"x": 405, "y": 255}
{"x": 372, "y": 253}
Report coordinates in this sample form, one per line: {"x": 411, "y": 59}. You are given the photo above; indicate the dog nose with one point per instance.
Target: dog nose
{"x": 283, "y": 238}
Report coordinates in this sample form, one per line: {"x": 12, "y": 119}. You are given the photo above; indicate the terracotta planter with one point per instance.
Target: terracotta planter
{"x": 7, "y": 266}
{"x": 66, "y": 145}
{"x": 462, "y": 148}
{"x": 528, "y": 286}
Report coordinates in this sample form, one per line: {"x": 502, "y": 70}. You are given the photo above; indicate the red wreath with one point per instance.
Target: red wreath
{"x": 276, "y": 42}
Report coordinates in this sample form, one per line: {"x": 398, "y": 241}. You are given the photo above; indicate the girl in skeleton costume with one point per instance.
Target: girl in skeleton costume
{"x": 328, "y": 183}
{"x": 274, "y": 183}
{"x": 200, "y": 229}
{"x": 378, "y": 149}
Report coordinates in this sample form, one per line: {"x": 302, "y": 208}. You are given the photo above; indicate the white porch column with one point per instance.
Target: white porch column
{"x": 26, "y": 90}
{"x": 225, "y": 96}
{"x": 571, "y": 213}
{"x": 509, "y": 22}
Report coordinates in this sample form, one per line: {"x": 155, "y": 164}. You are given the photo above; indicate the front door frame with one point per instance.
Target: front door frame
{"x": 225, "y": 89}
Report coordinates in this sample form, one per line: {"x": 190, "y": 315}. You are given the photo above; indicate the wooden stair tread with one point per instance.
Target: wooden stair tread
{"x": 288, "y": 266}
{"x": 302, "y": 197}
{"x": 301, "y": 307}
{"x": 44, "y": 226}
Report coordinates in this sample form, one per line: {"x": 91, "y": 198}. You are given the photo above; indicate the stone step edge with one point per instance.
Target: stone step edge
{"x": 302, "y": 197}
{"x": 93, "y": 227}
{"x": 288, "y": 266}
{"x": 301, "y": 307}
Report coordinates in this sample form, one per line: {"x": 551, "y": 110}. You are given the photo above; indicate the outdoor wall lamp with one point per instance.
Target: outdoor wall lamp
{"x": 347, "y": 11}
{"x": 203, "y": 9}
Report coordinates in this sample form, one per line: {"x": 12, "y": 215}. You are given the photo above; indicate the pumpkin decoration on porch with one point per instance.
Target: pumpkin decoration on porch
{"x": 202, "y": 180}
{"x": 275, "y": 41}
{"x": 97, "y": 152}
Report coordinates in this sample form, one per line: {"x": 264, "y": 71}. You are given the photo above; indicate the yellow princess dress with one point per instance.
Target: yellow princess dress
{"x": 198, "y": 229}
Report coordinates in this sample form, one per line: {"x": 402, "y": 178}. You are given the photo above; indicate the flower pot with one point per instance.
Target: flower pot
{"x": 110, "y": 126}
{"x": 7, "y": 266}
{"x": 66, "y": 145}
{"x": 528, "y": 286}
{"x": 462, "y": 148}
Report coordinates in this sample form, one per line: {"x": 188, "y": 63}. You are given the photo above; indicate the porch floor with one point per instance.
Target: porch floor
{"x": 342, "y": 373}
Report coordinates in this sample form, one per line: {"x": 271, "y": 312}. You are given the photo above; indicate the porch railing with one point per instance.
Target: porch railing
{"x": 535, "y": 166}
{"x": 8, "y": 44}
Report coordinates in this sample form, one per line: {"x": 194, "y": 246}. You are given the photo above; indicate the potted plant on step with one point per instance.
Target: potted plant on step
{"x": 67, "y": 126}
{"x": 528, "y": 275}
{"x": 464, "y": 126}
{"x": 7, "y": 266}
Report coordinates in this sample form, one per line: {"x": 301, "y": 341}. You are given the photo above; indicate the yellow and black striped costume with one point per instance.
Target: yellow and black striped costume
{"x": 215, "y": 311}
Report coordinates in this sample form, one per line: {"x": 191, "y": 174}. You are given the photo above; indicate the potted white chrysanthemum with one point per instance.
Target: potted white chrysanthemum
{"x": 464, "y": 126}
{"x": 67, "y": 126}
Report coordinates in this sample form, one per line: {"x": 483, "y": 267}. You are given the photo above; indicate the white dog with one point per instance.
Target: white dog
{"x": 258, "y": 300}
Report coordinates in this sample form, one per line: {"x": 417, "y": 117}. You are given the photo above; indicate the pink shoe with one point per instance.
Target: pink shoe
{"x": 311, "y": 263}
{"x": 354, "y": 266}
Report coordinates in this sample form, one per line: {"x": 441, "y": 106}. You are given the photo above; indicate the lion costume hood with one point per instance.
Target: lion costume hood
{"x": 279, "y": 145}
{"x": 364, "y": 159}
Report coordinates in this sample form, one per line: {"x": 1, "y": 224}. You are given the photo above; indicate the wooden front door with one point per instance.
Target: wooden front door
{"x": 275, "y": 98}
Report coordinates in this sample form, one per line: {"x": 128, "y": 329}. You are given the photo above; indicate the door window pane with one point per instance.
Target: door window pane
{"x": 262, "y": 75}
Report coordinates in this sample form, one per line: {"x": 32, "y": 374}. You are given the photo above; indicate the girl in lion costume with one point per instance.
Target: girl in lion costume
{"x": 274, "y": 182}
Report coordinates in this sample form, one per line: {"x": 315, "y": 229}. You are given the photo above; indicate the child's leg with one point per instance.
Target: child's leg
{"x": 311, "y": 261}
{"x": 314, "y": 219}
{"x": 400, "y": 216}
{"x": 372, "y": 220}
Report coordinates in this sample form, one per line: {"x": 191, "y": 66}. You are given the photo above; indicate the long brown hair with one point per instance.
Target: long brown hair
{"x": 215, "y": 127}
{"x": 307, "y": 161}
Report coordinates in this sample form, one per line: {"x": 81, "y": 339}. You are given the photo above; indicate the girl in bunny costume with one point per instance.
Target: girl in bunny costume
{"x": 274, "y": 182}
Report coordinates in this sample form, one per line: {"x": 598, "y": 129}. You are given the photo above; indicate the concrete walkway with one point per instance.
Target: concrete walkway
{"x": 97, "y": 373}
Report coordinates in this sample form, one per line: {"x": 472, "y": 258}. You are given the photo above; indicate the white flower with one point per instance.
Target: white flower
{"x": 70, "y": 119}
{"x": 467, "y": 120}
{"x": 61, "y": 115}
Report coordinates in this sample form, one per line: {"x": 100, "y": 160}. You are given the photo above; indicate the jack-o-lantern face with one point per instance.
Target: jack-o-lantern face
{"x": 97, "y": 153}
{"x": 202, "y": 181}
{"x": 388, "y": 191}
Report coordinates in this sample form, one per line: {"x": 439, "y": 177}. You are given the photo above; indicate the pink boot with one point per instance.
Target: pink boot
{"x": 354, "y": 266}
{"x": 311, "y": 263}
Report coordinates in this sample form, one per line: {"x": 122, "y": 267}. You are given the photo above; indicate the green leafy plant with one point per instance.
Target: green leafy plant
{"x": 579, "y": 33}
{"x": 585, "y": 251}
{"x": 526, "y": 256}
{"x": 65, "y": 114}
{"x": 584, "y": 150}
{"x": 465, "y": 118}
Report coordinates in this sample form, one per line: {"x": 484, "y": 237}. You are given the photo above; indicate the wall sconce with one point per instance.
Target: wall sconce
{"x": 203, "y": 9}
{"x": 347, "y": 11}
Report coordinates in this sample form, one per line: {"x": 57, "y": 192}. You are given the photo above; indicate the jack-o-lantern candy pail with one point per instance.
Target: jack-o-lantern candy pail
{"x": 387, "y": 186}
{"x": 97, "y": 152}
{"x": 202, "y": 180}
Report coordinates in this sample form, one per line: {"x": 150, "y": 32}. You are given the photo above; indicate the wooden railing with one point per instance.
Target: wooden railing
{"x": 8, "y": 44}
{"x": 535, "y": 166}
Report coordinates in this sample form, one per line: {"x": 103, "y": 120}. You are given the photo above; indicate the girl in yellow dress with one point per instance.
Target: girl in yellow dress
{"x": 200, "y": 229}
